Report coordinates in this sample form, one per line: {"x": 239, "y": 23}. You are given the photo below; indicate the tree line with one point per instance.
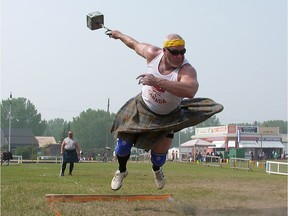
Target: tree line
{"x": 91, "y": 127}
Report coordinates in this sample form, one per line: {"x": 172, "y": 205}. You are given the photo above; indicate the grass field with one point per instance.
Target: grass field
{"x": 197, "y": 190}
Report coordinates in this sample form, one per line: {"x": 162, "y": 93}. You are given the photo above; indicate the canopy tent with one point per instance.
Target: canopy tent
{"x": 219, "y": 144}
{"x": 192, "y": 144}
{"x": 176, "y": 153}
{"x": 197, "y": 142}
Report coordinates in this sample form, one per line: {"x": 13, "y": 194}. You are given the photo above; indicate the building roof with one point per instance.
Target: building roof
{"x": 19, "y": 136}
{"x": 44, "y": 141}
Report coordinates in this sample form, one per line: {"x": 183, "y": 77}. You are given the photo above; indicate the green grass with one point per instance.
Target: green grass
{"x": 197, "y": 190}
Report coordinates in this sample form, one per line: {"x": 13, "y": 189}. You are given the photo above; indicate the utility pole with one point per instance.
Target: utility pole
{"x": 107, "y": 115}
{"x": 9, "y": 142}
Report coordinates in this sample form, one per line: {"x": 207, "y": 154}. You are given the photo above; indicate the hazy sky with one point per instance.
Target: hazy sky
{"x": 238, "y": 48}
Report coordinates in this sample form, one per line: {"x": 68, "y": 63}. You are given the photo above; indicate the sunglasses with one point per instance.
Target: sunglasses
{"x": 177, "y": 52}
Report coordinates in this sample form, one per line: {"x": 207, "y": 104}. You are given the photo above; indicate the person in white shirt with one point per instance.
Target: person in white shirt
{"x": 149, "y": 120}
{"x": 70, "y": 151}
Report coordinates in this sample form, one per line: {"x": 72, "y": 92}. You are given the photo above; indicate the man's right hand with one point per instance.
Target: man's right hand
{"x": 115, "y": 34}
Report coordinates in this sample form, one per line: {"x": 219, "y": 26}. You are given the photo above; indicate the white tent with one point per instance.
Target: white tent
{"x": 176, "y": 152}
{"x": 197, "y": 142}
{"x": 190, "y": 146}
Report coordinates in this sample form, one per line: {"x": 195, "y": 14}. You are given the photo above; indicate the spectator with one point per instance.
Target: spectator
{"x": 70, "y": 149}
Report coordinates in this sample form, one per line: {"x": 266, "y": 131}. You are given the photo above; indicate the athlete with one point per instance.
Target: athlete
{"x": 150, "y": 119}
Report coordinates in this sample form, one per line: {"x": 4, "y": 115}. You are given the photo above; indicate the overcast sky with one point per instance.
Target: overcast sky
{"x": 238, "y": 48}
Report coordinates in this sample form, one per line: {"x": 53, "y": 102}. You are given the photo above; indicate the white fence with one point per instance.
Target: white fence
{"x": 273, "y": 167}
{"x": 17, "y": 158}
{"x": 53, "y": 159}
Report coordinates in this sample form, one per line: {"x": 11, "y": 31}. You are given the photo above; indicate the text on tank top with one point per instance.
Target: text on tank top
{"x": 156, "y": 99}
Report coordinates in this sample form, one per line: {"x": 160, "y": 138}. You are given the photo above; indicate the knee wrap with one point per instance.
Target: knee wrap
{"x": 123, "y": 148}
{"x": 158, "y": 159}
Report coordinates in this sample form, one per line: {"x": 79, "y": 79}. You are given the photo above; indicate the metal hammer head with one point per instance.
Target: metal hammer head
{"x": 95, "y": 20}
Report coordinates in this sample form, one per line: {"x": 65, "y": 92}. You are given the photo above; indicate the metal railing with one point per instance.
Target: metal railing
{"x": 240, "y": 163}
{"x": 210, "y": 160}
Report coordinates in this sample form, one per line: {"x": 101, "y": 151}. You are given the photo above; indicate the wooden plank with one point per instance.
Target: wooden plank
{"x": 98, "y": 197}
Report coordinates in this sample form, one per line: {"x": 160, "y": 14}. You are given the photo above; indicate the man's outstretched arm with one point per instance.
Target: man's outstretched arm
{"x": 145, "y": 50}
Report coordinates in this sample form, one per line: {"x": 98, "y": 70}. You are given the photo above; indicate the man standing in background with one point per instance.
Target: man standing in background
{"x": 70, "y": 150}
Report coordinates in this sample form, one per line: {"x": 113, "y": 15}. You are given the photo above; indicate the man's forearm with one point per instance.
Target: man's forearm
{"x": 128, "y": 41}
{"x": 78, "y": 149}
{"x": 62, "y": 148}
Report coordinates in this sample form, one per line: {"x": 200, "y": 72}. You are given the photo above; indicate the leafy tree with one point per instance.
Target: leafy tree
{"x": 57, "y": 128}
{"x": 24, "y": 151}
{"x": 247, "y": 124}
{"x": 182, "y": 136}
{"x": 276, "y": 123}
{"x": 271, "y": 123}
{"x": 27, "y": 152}
{"x": 186, "y": 133}
{"x": 92, "y": 130}
{"x": 212, "y": 121}
{"x": 91, "y": 127}
{"x": 23, "y": 115}
{"x": 66, "y": 129}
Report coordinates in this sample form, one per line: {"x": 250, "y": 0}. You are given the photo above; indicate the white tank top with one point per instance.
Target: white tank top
{"x": 70, "y": 144}
{"x": 158, "y": 100}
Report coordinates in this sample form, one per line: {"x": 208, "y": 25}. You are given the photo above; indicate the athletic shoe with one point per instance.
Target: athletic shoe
{"x": 159, "y": 178}
{"x": 61, "y": 174}
{"x": 117, "y": 180}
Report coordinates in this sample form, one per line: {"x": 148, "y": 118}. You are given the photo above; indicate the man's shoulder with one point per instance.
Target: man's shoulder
{"x": 186, "y": 67}
{"x": 152, "y": 53}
